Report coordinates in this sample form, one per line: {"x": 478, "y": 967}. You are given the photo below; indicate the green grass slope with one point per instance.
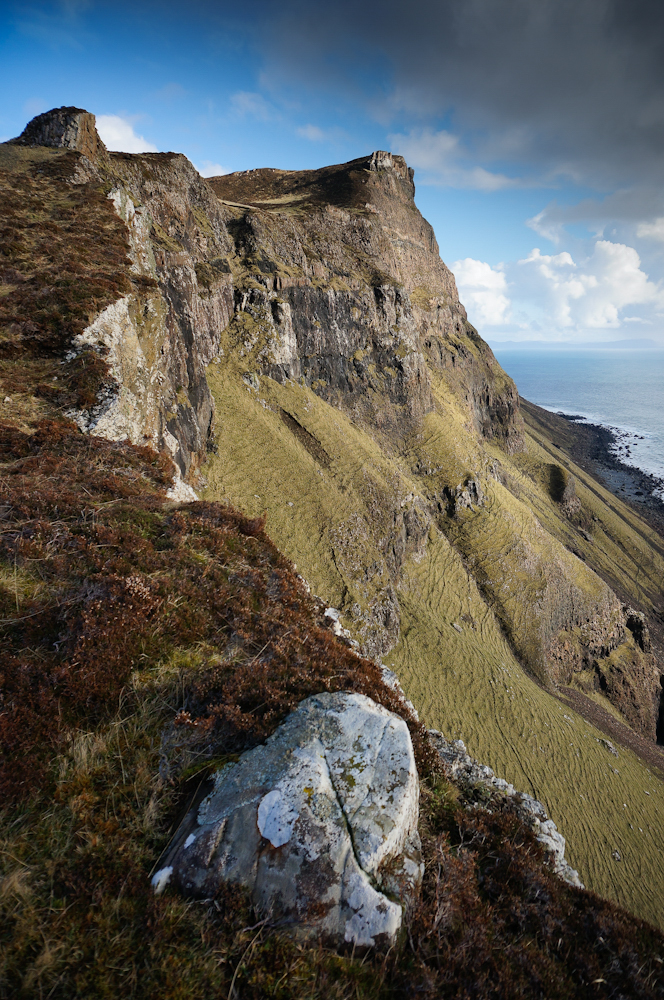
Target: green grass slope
{"x": 623, "y": 549}
{"x": 470, "y": 686}
{"x": 329, "y": 498}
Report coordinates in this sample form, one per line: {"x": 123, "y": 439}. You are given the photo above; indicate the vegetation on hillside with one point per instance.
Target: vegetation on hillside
{"x": 63, "y": 258}
{"x": 453, "y": 659}
{"x": 144, "y": 641}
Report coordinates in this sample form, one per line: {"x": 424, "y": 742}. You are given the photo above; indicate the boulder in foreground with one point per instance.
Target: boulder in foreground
{"x": 320, "y": 824}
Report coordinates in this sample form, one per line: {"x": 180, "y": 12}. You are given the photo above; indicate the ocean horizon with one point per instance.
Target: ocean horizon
{"x": 619, "y": 389}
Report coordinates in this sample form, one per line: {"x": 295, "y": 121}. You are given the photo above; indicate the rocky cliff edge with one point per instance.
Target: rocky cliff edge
{"x": 294, "y": 338}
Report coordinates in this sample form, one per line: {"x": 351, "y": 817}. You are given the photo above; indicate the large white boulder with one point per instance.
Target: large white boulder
{"x": 319, "y": 824}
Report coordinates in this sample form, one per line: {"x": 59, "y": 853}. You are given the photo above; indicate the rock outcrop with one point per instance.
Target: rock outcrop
{"x": 363, "y": 295}
{"x": 471, "y": 775}
{"x": 64, "y": 128}
{"x": 332, "y": 279}
{"x": 318, "y": 824}
{"x": 611, "y": 654}
{"x": 293, "y": 340}
{"x": 159, "y": 342}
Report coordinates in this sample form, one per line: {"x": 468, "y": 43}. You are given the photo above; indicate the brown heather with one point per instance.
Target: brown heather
{"x": 119, "y": 579}
{"x": 128, "y": 619}
{"x": 144, "y": 641}
{"x": 63, "y": 258}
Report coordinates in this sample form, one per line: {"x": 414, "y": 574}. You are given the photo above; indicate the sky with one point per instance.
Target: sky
{"x": 535, "y": 127}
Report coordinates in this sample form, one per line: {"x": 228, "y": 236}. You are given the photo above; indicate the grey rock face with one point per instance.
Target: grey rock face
{"x": 467, "y": 772}
{"x": 159, "y": 342}
{"x": 345, "y": 342}
{"x": 315, "y": 823}
{"x": 63, "y": 128}
{"x": 467, "y": 495}
{"x": 636, "y": 623}
{"x": 382, "y": 160}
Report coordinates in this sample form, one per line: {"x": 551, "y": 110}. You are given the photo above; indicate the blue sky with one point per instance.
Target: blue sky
{"x": 535, "y": 127}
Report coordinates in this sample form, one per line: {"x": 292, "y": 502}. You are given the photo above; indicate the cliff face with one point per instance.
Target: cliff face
{"x": 295, "y": 343}
{"x": 160, "y": 343}
{"x": 64, "y": 128}
{"x": 363, "y": 295}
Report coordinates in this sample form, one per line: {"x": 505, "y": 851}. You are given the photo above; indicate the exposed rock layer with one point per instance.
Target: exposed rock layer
{"x": 331, "y": 279}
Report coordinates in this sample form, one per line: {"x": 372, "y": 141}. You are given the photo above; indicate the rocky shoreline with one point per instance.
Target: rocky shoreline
{"x": 602, "y": 450}
{"x": 608, "y": 447}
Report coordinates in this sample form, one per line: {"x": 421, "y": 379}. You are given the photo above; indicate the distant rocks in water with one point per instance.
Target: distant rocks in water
{"x": 319, "y": 824}
{"x": 467, "y": 772}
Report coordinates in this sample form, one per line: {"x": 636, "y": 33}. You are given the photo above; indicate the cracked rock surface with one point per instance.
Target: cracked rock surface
{"x": 320, "y": 824}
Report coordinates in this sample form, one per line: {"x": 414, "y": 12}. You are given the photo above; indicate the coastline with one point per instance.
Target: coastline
{"x": 596, "y": 448}
{"x": 640, "y": 489}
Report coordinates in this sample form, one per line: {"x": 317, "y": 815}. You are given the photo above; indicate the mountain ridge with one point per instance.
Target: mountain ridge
{"x": 309, "y": 362}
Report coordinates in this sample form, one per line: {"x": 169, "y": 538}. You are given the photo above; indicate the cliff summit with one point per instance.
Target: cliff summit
{"x": 258, "y": 464}
{"x": 63, "y": 128}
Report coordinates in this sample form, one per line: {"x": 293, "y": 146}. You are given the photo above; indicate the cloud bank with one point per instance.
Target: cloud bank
{"x": 118, "y": 134}
{"x": 554, "y": 295}
{"x": 566, "y": 88}
{"x": 443, "y": 160}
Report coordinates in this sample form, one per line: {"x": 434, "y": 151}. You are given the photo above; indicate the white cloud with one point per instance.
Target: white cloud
{"x": 247, "y": 104}
{"x": 210, "y": 169}
{"x": 651, "y": 230}
{"x": 316, "y": 134}
{"x": 588, "y": 295}
{"x": 550, "y": 230}
{"x": 312, "y": 132}
{"x": 444, "y": 161}
{"x": 483, "y": 291}
{"x": 118, "y": 135}
{"x": 626, "y": 207}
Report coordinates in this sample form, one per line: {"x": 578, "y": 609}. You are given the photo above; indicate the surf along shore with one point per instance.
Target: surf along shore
{"x": 592, "y": 446}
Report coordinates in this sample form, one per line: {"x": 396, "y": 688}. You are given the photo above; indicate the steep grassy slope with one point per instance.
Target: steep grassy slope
{"x": 143, "y": 643}
{"x": 623, "y": 549}
{"x": 465, "y": 680}
{"x": 470, "y": 685}
{"x": 310, "y": 340}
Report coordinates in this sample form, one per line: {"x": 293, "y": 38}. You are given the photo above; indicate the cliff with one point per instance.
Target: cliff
{"x": 293, "y": 344}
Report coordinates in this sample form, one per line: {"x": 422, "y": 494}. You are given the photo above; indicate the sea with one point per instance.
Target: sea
{"x": 620, "y": 389}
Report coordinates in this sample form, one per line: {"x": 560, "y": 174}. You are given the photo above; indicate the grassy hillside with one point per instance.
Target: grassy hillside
{"x": 145, "y": 640}
{"x": 326, "y": 510}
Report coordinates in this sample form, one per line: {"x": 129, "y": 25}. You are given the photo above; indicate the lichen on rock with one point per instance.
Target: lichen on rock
{"x": 320, "y": 824}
